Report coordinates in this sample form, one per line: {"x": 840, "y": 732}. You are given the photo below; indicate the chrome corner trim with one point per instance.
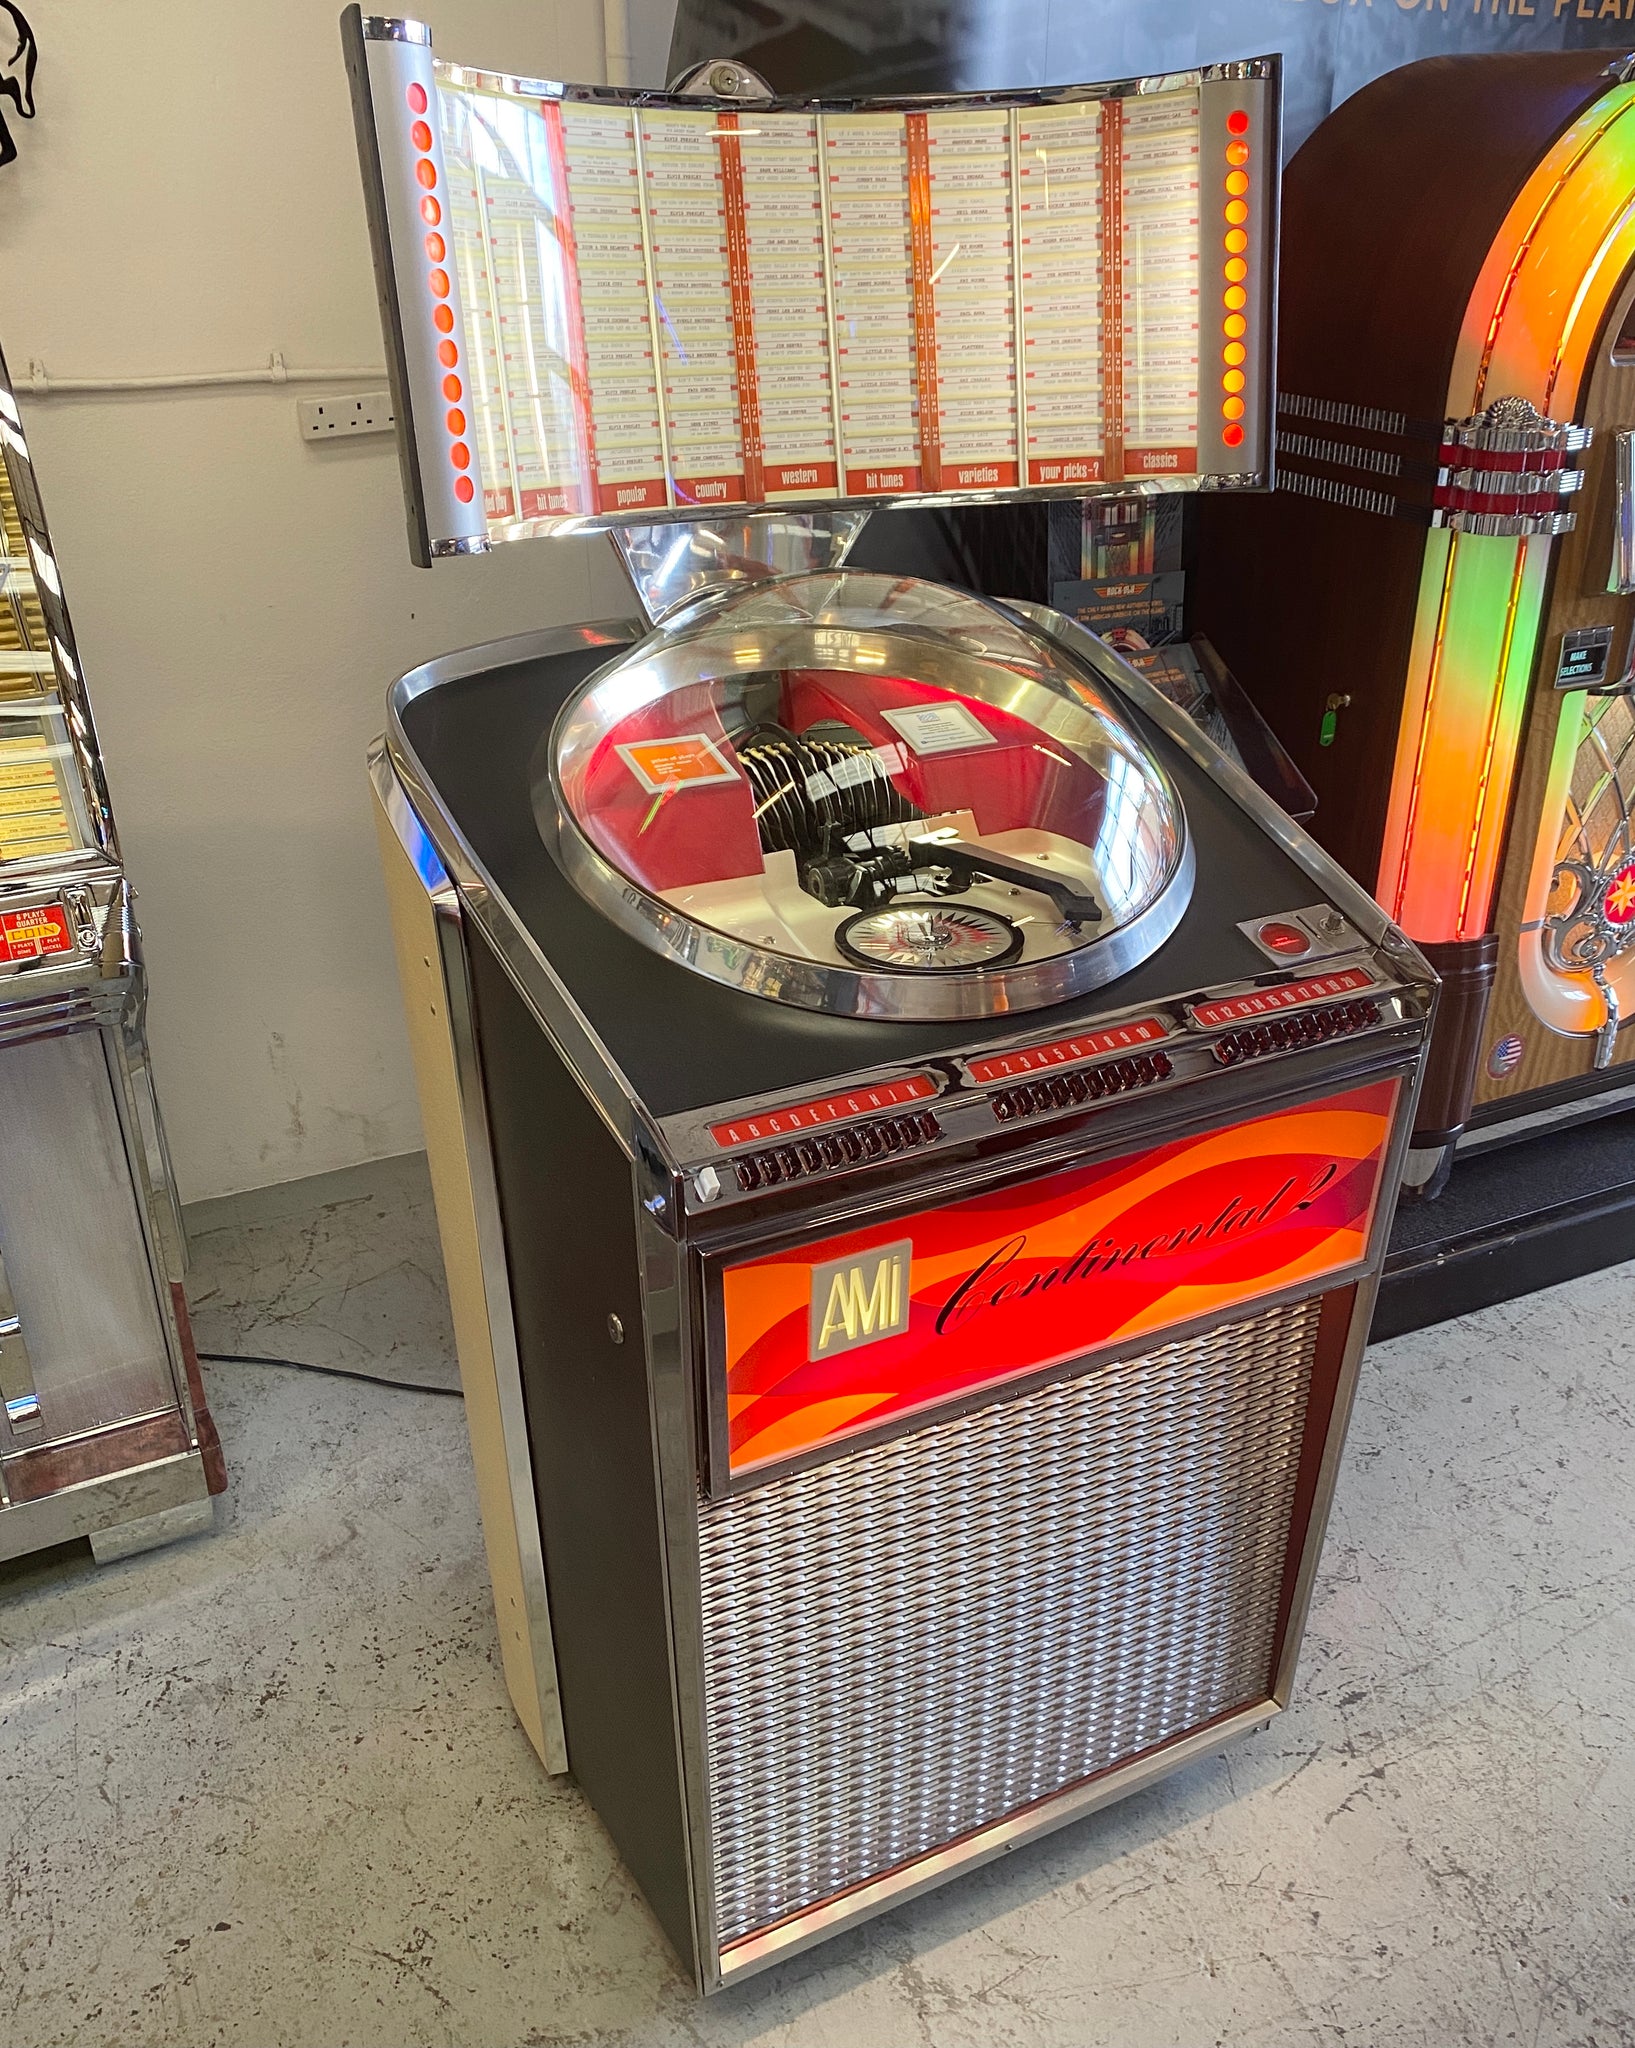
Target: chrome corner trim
{"x": 152, "y": 1532}
{"x": 102, "y": 1503}
{"x": 721, "y": 78}
{"x": 1243, "y": 67}
{"x": 479, "y": 1158}
{"x": 760, "y": 1951}
{"x": 613, "y": 634}
{"x": 395, "y": 28}
{"x": 467, "y": 544}
{"x": 1247, "y": 794}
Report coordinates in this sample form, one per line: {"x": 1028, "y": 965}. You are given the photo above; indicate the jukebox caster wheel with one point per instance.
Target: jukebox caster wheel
{"x": 938, "y": 938}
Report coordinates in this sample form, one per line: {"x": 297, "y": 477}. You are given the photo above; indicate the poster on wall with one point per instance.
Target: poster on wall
{"x": 1331, "y": 48}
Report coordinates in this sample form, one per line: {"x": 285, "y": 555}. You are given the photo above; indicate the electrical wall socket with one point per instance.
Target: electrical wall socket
{"x": 345, "y": 417}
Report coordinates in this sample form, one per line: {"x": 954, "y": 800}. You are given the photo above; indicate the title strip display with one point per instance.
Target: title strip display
{"x": 666, "y": 306}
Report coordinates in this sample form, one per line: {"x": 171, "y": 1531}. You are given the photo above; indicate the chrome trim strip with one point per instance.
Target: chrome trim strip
{"x": 605, "y": 1087}
{"x": 101, "y": 1503}
{"x": 471, "y": 544}
{"x": 668, "y": 1309}
{"x": 475, "y": 79}
{"x": 514, "y": 648}
{"x": 1013, "y": 145}
{"x": 841, "y": 991}
{"x": 1300, "y": 847}
{"x": 393, "y": 28}
{"x": 1362, "y": 1315}
{"x": 147, "y": 1206}
{"x": 556, "y": 524}
{"x": 502, "y": 1335}
{"x": 1501, "y": 1131}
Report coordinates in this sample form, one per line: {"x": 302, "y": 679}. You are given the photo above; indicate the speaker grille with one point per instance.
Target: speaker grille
{"x": 917, "y": 1639}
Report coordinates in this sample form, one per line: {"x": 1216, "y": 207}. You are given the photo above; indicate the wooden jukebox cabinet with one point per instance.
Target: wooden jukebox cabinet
{"x": 1434, "y": 609}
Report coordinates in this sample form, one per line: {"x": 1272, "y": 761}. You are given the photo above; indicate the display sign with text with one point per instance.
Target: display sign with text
{"x": 858, "y": 1329}
{"x": 613, "y": 308}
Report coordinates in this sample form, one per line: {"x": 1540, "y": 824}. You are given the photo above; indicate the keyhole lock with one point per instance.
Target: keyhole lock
{"x": 1331, "y": 720}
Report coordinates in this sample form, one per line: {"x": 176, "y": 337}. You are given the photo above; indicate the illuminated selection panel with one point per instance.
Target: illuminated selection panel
{"x": 670, "y": 306}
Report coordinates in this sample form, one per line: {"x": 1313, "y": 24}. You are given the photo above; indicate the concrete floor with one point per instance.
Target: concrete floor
{"x": 264, "y": 1788}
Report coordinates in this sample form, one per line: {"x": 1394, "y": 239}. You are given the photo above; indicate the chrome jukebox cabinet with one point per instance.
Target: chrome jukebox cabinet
{"x": 103, "y": 1427}
{"x": 914, "y": 1129}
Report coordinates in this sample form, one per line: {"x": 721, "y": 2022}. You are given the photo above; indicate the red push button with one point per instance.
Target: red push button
{"x": 1288, "y": 941}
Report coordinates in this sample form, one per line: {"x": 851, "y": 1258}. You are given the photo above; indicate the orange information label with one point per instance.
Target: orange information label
{"x": 29, "y": 934}
{"x": 847, "y": 1332}
{"x": 1161, "y": 462}
{"x": 685, "y": 761}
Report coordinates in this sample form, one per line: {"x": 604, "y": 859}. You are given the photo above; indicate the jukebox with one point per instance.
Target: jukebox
{"x": 103, "y": 1427}
{"x": 1433, "y": 610}
{"x": 913, "y": 1127}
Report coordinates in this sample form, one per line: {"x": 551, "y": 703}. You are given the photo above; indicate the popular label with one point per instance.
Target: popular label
{"x": 848, "y": 1332}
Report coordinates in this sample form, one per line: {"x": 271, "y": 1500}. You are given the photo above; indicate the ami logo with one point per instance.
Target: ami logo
{"x": 861, "y": 1299}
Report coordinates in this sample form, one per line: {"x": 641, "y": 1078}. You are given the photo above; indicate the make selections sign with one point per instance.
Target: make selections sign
{"x": 842, "y": 1334}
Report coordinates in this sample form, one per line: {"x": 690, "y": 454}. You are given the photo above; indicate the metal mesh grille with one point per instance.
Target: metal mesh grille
{"x": 915, "y": 1640}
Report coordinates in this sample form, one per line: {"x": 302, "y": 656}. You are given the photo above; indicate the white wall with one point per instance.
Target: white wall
{"x": 186, "y": 200}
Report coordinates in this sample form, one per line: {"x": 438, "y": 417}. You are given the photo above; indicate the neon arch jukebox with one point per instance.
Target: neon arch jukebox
{"x": 1433, "y": 609}
{"x": 913, "y": 1128}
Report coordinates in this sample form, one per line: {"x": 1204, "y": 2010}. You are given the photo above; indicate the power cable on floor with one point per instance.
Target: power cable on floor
{"x": 333, "y": 1372}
